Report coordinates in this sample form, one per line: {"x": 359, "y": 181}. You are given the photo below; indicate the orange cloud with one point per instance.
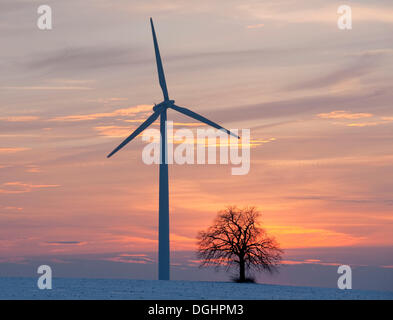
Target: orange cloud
{"x": 229, "y": 142}
{"x": 13, "y": 208}
{"x": 175, "y": 124}
{"x": 131, "y": 111}
{"x": 383, "y": 120}
{"x": 294, "y": 236}
{"x": 20, "y": 187}
{"x": 122, "y": 131}
{"x": 364, "y": 124}
{"x": 309, "y": 261}
{"x": 114, "y": 131}
{"x": 12, "y": 150}
{"x": 65, "y": 243}
{"x": 342, "y": 114}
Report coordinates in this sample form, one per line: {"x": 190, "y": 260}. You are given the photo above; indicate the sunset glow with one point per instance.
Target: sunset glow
{"x": 316, "y": 99}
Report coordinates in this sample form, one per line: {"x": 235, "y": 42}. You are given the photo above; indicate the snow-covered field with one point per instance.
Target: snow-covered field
{"x": 67, "y": 288}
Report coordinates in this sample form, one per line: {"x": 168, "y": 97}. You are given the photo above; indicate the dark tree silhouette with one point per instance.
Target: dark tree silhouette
{"x": 234, "y": 239}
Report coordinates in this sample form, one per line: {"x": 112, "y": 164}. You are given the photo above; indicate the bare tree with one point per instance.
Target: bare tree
{"x": 235, "y": 239}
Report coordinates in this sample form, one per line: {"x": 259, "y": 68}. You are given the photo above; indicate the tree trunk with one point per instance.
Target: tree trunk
{"x": 242, "y": 269}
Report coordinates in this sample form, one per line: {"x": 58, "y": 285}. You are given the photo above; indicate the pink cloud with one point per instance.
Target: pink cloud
{"x": 19, "y": 118}
{"x": 256, "y": 26}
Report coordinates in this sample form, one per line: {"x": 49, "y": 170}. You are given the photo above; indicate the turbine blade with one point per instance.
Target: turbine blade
{"x": 142, "y": 127}
{"x": 200, "y": 118}
{"x": 160, "y": 69}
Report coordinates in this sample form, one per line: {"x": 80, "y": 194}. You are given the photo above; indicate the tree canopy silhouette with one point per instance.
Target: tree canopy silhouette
{"x": 236, "y": 240}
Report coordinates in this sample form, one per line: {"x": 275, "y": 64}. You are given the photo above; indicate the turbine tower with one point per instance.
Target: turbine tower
{"x": 160, "y": 110}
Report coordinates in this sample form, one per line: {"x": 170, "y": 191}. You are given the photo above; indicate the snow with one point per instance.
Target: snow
{"x": 71, "y": 288}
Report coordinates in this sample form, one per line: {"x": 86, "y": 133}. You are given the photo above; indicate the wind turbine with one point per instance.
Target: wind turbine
{"x": 160, "y": 110}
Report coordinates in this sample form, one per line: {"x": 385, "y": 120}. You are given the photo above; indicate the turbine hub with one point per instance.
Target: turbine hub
{"x": 163, "y": 104}
{"x": 170, "y": 102}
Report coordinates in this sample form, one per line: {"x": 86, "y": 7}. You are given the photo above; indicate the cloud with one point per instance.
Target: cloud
{"x": 87, "y": 58}
{"x": 45, "y": 88}
{"x": 18, "y": 260}
{"x": 12, "y": 150}
{"x": 372, "y": 52}
{"x": 310, "y": 261}
{"x": 138, "y": 241}
{"x": 256, "y": 26}
{"x": 114, "y": 131}
{"x": 297, "y": 236}
{"x": 59, "y": 243}
{"x": 131, "y": 111}
{"x": 364, "y": 124}
{"x": 384, "y": 120}
{"x": 20, "y": 187}
{"x": 32, "y": 169}
{"x": 121, "y": 132}
{"x": 19, "y": 118}
{"x": 342, "y": 114}
{"x": 320, "y": 13}
{"x": 175, "y": 124}
{"x": 130, "y": 258}
{"x": 107, "y": 100}
{"x": 225, "y": 142}
{"x": 291, "y": 107}
{"x": 13, "y": 208}
{"x": 346, "y": 76}
{"x": 327, "y": 198}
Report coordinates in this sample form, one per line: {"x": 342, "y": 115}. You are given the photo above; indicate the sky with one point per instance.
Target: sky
{"x": 317, "y": 100}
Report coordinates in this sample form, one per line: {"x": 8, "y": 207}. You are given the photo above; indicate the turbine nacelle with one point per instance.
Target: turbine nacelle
{"x": 164, "y": 104}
